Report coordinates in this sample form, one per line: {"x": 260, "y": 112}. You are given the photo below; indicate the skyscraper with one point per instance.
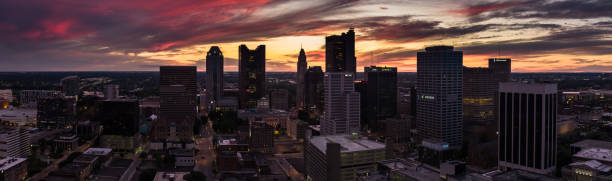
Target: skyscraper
{"x": 381, "y": 95}
{"x": 340, "y": 53}
{"x": 251, "y": 75}
{"x": 301, "y": 71}
{"x": 214, "y": 75}
{"x": 480, "y": 87}
{"x": 313, "y": 89}
{"x": 342, "y": 107}
{"x": 527, "y": 127}
{"x": 71, "y": 85}
{"x": 178, "y": 104}
{"x": 439, "y": 94}
{"x": 55, "y": 113}
{"x": 279, "y": 99}
{"x": 119, "y": 119}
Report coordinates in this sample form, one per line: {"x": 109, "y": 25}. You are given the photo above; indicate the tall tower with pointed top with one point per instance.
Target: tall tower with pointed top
{"x": 214, "y": 75}
{"x": 301, "y": 71}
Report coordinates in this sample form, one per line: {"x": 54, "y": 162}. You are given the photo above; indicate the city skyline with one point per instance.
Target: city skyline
{"x": 540, "y": 36}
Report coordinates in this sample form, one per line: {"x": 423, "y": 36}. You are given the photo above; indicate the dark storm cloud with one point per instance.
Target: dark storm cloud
{"x": 567, "y": 9}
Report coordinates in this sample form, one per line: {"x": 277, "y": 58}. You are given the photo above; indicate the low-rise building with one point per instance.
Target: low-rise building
{"x": 170, "y": 176}
{"x": 594, "y": 163}
{"x": 66, "y": 143}
{"x": 18, "y": 117}
{"x": 298, "y": 129}
{"x": 341, "y": 157}
{"x": 12, "y": 168}
{"x": 183, "y": 157}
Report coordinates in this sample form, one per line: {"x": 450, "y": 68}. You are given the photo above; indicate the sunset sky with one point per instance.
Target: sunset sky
{"x": 141, "y": 35}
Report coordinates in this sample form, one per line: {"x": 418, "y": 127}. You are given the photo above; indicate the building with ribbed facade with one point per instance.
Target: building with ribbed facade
{"x": 302, "y": 66}
{"x": 342, "y": 104}
{"x": 178, "y": 104}
{"x": 14, "y": 142}
{"x": 527, "y": 127}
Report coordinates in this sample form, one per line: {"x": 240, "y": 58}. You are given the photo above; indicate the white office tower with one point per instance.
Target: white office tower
{"x": 341, "y": 115}
{"x": 14, "y": 142}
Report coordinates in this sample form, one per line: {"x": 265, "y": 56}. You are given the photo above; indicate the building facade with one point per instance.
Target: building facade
{"x": 214, "y": 76}
{"x": 313, "y": 89}
{"x": 14, "y": 142}
{"x": 341, "y": 157}
{"x": 439, "y": 95}
{"x": 279, "y": 99}
{"x": 342, "y": 104}
{"x": 119, "y": 119}
{"x": 527, "y": 127}
{"x": 12, "y": 168}
{"x": 71, "y": 85}
{"x": 380, "y": 95}
{"x": 251, "y": 75}
{"x": 178, "y": 104}
{"x": 29, "y": 98}
{"x": 340, "y": 53}
{"x": 55, "y": 113}
{"x": 302, "y": 65}
{"x": 111, "y": 91}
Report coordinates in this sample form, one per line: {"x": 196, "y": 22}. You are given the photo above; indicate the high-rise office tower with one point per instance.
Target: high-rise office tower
{"x": 301, "y": 71}
{"x": 71, "y": 85}
{"x": 15, "y": 142}
{"x": 340, "y": 53}
{"x": 527, "y": 127}
{"x": 381, "y": 95}
{"x": 342, "y": 104}
{"x": 214, "y": 76}
{"x": 279, "y": 99}
{"x": 111, "y": 91}
{"x": 439, "y": 94}
{"x": 178, "y": 104}
{"x": 251, "y": 75}
{"x": 313, "y": 89}
{"x": 480, "y": 87}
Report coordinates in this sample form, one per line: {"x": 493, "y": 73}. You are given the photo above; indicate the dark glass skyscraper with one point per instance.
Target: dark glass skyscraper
{"x": 118, "y": 117}
{"x": 301, "y": 71}
{"x": 251, "y": 75}
{"x": 313, "y": 88}
{"x": 178, "y": 104}
{"x": 439, "y": 95}
{"x": 527, "y": 127}
{"x": 340, "y": 53}
{"x": 71, "y": 85}
{"x": 380, "y": 95}
{"x": 214, "y": 75}
{"x": 55, "y": 113}
{"x": 480, "y": 87}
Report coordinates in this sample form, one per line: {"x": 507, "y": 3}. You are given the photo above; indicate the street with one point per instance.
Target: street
{"x": 206, "y": 156}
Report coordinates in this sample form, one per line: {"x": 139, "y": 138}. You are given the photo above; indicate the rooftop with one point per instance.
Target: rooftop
{"x": 594, "y": 164}
{"x": 599, "y": 154}
{"x": 592, "y": 144}
{"x": 348, "y": 143}
{"x": 98, "y": 151}
{"x": 9, "y": 162}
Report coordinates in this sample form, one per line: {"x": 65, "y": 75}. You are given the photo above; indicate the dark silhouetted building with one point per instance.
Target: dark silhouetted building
{"x": 119, "y": 120}
{"x": 178, "y": 104}
{"x": 313, "y": 89}
{"x": 279, "y": 99}
{"x": 54, "y": 113}
{"x": 214, "y": 76}
{"x": 527, "y": 127}
{"x": 342, "y": 104}
{"x": 251, "y": 75}
{"x": 261, "y": 138}
{"x": 380, "y": 95}
{"x": 439, "y": 95}
{"x": 480, "y": 87}
{"x": 302, "y": 65}
{"x": 111, "y": 91}
{"x": 71, "y": 85}
{"x": 340, "y": 53}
